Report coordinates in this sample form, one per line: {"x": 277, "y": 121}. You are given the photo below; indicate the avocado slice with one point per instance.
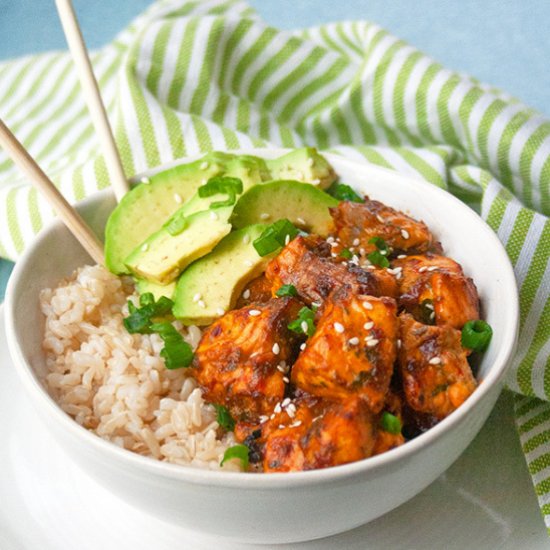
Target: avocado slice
{"x": 143, "y": 286}
{"x": 162, "y": 256}
{"x": 305, "y": 165}
{"x": 304, "y": 205}
{"x": 210, "y": 286}
{"x": 147, "y": 206}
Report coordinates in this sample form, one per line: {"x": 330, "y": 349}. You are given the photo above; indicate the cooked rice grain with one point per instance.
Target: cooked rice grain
{"x": 115, "y": 384}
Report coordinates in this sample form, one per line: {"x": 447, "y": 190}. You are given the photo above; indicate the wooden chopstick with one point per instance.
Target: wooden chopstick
{"x": 92, "y": 96}
{"x": 70, "y": 217}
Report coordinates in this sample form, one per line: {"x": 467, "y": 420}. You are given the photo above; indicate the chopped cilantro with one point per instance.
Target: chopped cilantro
{"x": 275, "y": 236}
{"x": 377, "y": 258}
{"x": 287, "y": 290}
{"x": 224, "y": 418}
{"x": 304, "y": 324}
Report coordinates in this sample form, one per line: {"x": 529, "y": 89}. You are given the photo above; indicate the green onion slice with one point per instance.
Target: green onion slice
{"x": 381, "y": 244}
{"x": 224, "y": 185}
{"x": 390, "y": 423}
{"x": 304, "y": 324}
{"x": 140, "y": 319}
{"x": 344, "y": 192}
{"x": 176, "y": 224}
{"x": 286, "y": 290}
{"x": 476, "y": 335}
{"x": 275, "y": 236}
{"x": 346, "y": 253}
{"x": 236, "y": 451}
{"x": 377, "y": 258}
{"x": 177, "y": 353}
{"x": 224, "y": 418}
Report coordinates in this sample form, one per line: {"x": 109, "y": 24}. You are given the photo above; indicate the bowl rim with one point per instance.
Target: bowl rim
{"x": 197, "y": 476}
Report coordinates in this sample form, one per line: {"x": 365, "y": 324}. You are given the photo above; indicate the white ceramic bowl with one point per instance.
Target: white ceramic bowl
{"x": 278, "y": 507}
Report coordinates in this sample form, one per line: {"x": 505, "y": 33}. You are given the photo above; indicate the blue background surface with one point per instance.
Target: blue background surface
{"x": 502, "y": 42}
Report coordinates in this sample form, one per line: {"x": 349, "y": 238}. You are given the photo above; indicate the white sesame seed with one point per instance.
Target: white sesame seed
{"x": 272, "y": 416}
{"x": 356, "y": 242}
{"x": 362, "y": 251}
{"x": 282, "y": 426}
{"x": 398, "y": 343}
{"x": 303, "y": 346}
{"x": 380, "y": 218}
{"x": 254, "y": 353}
{"x": 264, "y": 216}
{"x": 177, "y": 198}
{"x": 145, "y": 247}
{"x": 383, "y": 252}
{"x": 280, "y": 368}
{"x": 246, "y": 294}
{"x": 204, "y": 165}
{"x": 291, "y": 410}
{"x": 353, "y": 341}
{"x": 286, "y": 380}
{"x": 344, "y": 263}
{"x": 197, "y": 297}
{"x": 301, "y": 221}
{"x": 334, "y": 255}
{"x": 295, "y": 424}
{"x": 316, "y": 304}
{"x": 248, "y": 263}
{"x": 371, "y": 267}
{"x": 354, "y": 260}
{"x": 405, "y": 234}
{"x": 145, "y": 180}
{"x": 333, "y": 244}
{"x": 369, "y": 325}
{"x": 339, "y": 327}
{"x": 367, "y": 305}
{"x": 263, "y": 419}
{"x": 304, "y": 327}
{"x": 310, "y": 161}
{"x": 401, "y": 256}
{"x": 277, "y": 408}
{"x": 276, "y": 349}
{"x": 202, "y": 304}
{"x": 427, "y": 305}
{"x": 435, "y": 361}
{"x": 204, "y": 181}
{"x": 246, "y": 239}
{"x": 422, "y": 269}
{"x": 330, "y": 240}
{"x": 433, "y": 268}
{"x": 432, "y": 315}
{"x": 220, "y": 311}
{"x": 254, "y": 312}
{"x": 213, "y": 215}
{"x": 287, "y": 239}
{"x": 286, "y": 402}
{"x": 371, "y": 342}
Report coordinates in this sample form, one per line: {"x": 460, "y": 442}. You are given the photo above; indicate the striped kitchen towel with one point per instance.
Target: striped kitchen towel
{"x": 188, "y": 77}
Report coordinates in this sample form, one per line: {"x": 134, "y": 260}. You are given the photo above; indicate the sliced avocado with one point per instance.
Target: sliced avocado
{"x": 162, "y": 256}
{"x": 147, "y": 206}
{"x": 304, "y": 205}
{"x": 210, "y": 286}
{"x": 143, "y": 286}
{"x": 305, "y": 165}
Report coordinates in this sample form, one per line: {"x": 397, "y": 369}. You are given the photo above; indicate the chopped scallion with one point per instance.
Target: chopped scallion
{"x": 224, "y": 418}
{"x": 274, "y": 236}
{"x": 287, "y": 290}
{"x": 177, "y": 353}
{"x": 476, "y": 335}
{"x": 390, "y": 423}
{"x": 344, "y": 192}
{"x": 222, "y": 185}
{"x": 236, "y": 451}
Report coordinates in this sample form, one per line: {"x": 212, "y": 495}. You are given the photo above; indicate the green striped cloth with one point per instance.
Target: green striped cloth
{"x": 189, "y": 77}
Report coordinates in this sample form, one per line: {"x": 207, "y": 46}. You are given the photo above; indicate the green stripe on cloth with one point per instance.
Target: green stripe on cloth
{"x": 188, "y": 77}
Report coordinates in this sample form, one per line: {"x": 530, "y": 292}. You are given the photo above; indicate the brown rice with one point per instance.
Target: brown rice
{"x": 115, "y": 383}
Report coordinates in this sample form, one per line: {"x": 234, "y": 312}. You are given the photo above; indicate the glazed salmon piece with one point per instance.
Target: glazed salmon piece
{"x": 318, "y": 434}
{"x": 306, "y": 263}
{"x": 237, "y": 358}
{"x": 356, "y": 223}
{"x": 352, "y": 351}
{"x": 434, "y": 289}
{"x": 436, "y": 375}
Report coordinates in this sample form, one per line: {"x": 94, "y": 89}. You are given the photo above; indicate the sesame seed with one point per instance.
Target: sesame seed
{"x": 280, "y": 368}
{"x": 432, "y": 268}
{"x": 276, "y": 349}
{"x": 277, "y": 408}
{"x": 213, "y": 215}
{"x": 246, "y": 294}
{"x": 204, "y": 165}
{"x": 405, "y": 234}
{"x": 254, "y": 312}
{"x": 356, "y": 242}
{"x": 248, "y": 263}
{"x": 422, "y": 269}
{"x": 369, "y": 325}
{"x": 301, "y": 221}
{"x": 362, "y": 251}
{"x": 333, "y": 255}
{"x": 220, "y": 311}
{"x": 398, "y": 343}
{"x": 287, "y": 239}
{"x": 281, "y": 426}
{"x": 333, "y": 244}
{"x": 339, "y": 327}
{"x": 291, "y": 410}
{"x": 286, "y": 380}
{"x": 353, "y": 341}
{"x": 354, "y": 260}
{"x": 401, "y": 256}
{"x": 177, "y": 198}
{"x": 380, "y": 218}
{"x": 367, "y": 305}
{"x": 432, "y": 315}
{"x": 435, "y": 361}
{"x": 246, "y": 239}
{"x": 303, "y": 346}
{"x": 202, "y": 304}
{"x": 371, "y": 267}
{"x": 145, "y": 247}
{"x": 264, "y": 216}
{"x": 295, "y": 424}
{"x": 272, "y": 416}
{"x": 371, "y": 342}
{"x": 197, "y": 297}
{"x": 254, "y": 353}
{"x": 383, "y": 252}
{"x": 429, "y": 306}
{"x": 145, "y": 180}
{"x": 330, "y": 240}
{"x": 304, "y": 327}
{"x": 316, "y": 304}
{"x": 310, "y": 161}
{"x": 344, "y": 263}
{"x": 263, "y": 418}
{"x": 286, "y": 402}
